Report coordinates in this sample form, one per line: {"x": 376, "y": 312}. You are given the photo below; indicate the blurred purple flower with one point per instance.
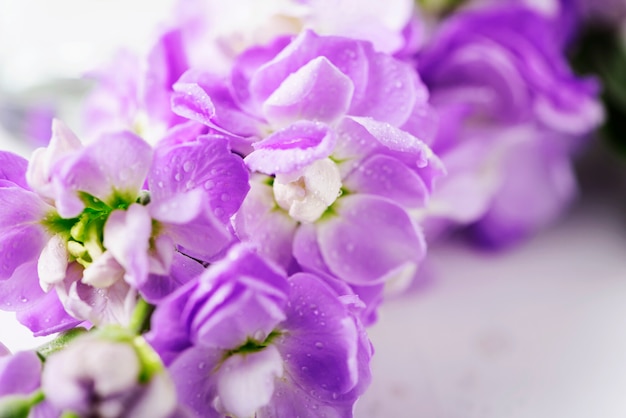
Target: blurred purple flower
{"x": 514, "y": 114}
{"x": 20, "y": 373}
{"x": 243, "y": 340}
{"x": 212, "y": 43}
{"x": 133, "y": 93}
{"x": 96, "y": 377}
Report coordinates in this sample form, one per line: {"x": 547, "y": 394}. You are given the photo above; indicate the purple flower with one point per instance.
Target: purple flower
{"x": 242, "y": 340}
{"x": 20, "y": 381}
{"x": 96, "y": 376}
{"x": 213, "y": 42}
{"x": 97, "y": 238}
{"x": 22, "y": 239}
{"x": 336, "y": 129}
{"x": 133, "y": 93}
{"x": 514, "y": 113}
{"x": 20, "y": 373}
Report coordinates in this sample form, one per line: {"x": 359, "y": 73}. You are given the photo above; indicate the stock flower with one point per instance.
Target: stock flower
{"x": 108, "y": 377}
{"x": 243, "y": 340}
{"x": 515, "y": 114}
{"x": 334, "y": 132}
{"x": 89, "y": 231}
{"x": 22, "y": 238}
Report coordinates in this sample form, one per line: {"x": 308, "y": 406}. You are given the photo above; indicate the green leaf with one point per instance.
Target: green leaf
{"x": 19, "y": 406}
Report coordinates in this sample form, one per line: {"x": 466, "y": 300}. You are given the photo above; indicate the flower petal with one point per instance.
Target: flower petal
{"x": 126, "y": 236}
{"x": 19, "y": 373}
{"x": 385, "y": 176}
{"x": 263, "y": 225}
{"x": 292, "y": 148}
{"x": 317, "y": 91}
{"x": 114, "y": 166}
{"x": 13, "y": 168}
{"x": 347, "y": 244}
{"x": 196, "y": 384}
{"x": 252, "y": 374}
{"x": 19, "y": 245}
{"x": 206, "y": 164}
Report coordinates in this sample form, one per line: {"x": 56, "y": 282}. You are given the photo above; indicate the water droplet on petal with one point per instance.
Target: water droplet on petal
{"x": 319, "y": 345}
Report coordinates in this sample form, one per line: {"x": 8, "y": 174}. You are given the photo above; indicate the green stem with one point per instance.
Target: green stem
{"x": 59, "y": 343}
{"x": 140, "y": 321}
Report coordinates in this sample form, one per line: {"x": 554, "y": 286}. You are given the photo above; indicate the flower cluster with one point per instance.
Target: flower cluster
{"x": 246, "y": 194}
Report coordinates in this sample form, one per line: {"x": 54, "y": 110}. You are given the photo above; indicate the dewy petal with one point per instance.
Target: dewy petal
{"x": 259, "y": 222}
{"x": 392, "y": 90}
{"x": 246, "y": 382}
{"x": 369, "y": 238}
{"x": 196, "y": 384}
{"x": 19, "y": 245}
{"x": 52, "y": 263}
{"x": 345, "y": 54}
{"x": 192, "y": 102}
{"x": 394, "y": 138}
{"x": 40, "y": 312}
{"x": 322, "y": 339}
{"x": 318, "y": 91}
{"x": 13, "y": 168}
{"x": 385, "y": 176}
{"x": 115, "y": 164}
{"x": 206, "y": 164}
{"x": 292, "y": 148}
{"x": 180, "y": 208}
{"x": 126, "y": 236}
{"x": 223, "y": 113}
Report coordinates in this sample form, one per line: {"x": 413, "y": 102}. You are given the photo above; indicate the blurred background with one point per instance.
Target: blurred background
{"x": 535, "y": 331}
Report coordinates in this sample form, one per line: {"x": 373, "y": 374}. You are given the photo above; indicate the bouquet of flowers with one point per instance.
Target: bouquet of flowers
{"x": 244, "y": 196}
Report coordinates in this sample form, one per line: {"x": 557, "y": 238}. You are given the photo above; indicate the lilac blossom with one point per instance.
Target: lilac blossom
{"x": 108, "y": 377}
{"x": 336, "y": 134}
{"x": 89, "y": 231}
{"x": 514, "y": 113}
{"x": 293, "y": 346}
